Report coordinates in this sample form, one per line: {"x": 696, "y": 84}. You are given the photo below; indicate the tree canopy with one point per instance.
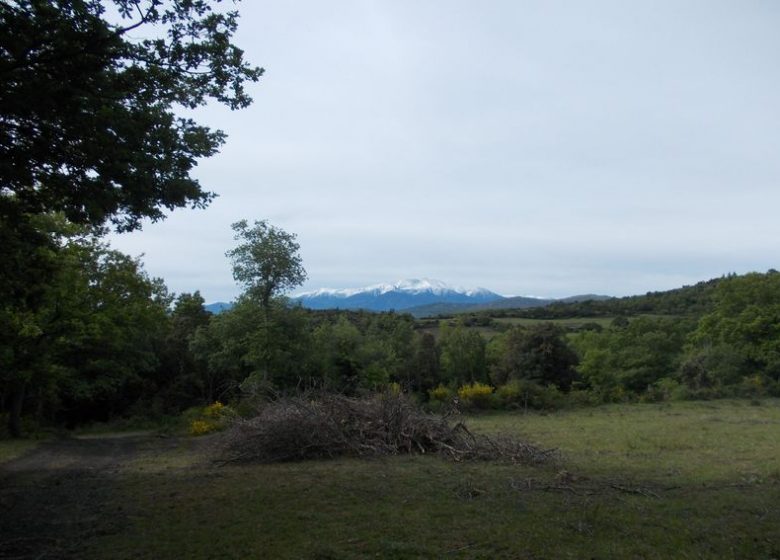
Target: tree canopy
{"x": 266, "y": 261}
{"x": 88, "y": 122}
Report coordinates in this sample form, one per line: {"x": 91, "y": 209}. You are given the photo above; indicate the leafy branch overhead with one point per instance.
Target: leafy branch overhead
{"x": 89, "y": 92}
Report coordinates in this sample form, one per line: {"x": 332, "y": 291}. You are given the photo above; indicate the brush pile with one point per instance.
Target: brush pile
{"x": 332, "y": 425}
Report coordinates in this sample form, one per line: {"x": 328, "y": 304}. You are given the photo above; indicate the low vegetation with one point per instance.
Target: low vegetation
{"x": 673, "y": 480}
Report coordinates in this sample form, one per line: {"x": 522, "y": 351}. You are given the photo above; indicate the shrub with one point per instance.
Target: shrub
{"x": 215, "y": 410}
{"x": 510, "y": 395}
{"x": 752, "y": 387}
{"x": 477, "y": 395}
{"x": 523, "y": 393}
{"x": 211, "y": 418}
{"x": 440, "y": 394}
{"x": 202, "y": 427}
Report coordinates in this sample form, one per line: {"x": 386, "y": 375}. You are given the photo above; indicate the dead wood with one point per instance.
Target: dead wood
{"x": 333, "y": 425}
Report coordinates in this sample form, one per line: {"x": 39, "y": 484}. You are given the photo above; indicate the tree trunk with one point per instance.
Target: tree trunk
{"x": 15, "y": 416}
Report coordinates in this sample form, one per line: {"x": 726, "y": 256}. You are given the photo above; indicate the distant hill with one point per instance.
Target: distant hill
{"x": 401, "y": 295}
{"x": 218, "y": 307}
{"x": 694, "y": 300}
{"x": 518, "y": 302}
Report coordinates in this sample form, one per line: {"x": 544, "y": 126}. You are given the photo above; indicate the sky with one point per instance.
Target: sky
{"x": 545, "y": 148}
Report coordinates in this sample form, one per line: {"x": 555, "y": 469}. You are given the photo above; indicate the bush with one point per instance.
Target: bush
{"x": 212, "y": 418}
{"x": 440, "y": 394}
{"x": 476, "y": 395}
{"x": 522, "y": 393}
{"x": 202, "y": 427}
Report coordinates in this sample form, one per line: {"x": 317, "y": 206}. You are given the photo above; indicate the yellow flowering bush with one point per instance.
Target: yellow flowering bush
{"x": 209, "y": 419}
{"x": 476, "y": 394}
{"x": 201, "y": 427}
{"x": 440, "y": 394}
{"x": 215, "y": 410}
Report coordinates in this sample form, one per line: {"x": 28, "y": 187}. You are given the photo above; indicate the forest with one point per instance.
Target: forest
{"x": 100, "y": 340}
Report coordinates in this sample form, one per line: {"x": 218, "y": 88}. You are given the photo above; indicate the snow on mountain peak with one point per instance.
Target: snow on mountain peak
{"x": 410, "y": 285}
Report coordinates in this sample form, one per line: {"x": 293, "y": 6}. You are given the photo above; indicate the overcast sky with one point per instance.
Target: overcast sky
{"x": 542, "y": 148}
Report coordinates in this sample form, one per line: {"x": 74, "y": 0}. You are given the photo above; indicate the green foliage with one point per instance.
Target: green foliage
{"x": 85, "y": 344}
{"x": 266, "y": 261}
{"x": 89, "y": 131}
{"x": 691, "y": 301}
{"x": 270, "y": 346}
{"x": 633, "y": 357}
{"x": 744, "y": 323}
{"x": 462, "y": 354}
{"x": 539, "y": 353}
{"x": 364, "y": 351}
{"x": 425, "y": 370}
{"x": 527, "y": 394}
{"x": 88, "y": 104}
{"x": 182, "y": 379}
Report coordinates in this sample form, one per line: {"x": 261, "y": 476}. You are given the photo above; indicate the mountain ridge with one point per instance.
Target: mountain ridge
{"x": 421, "y": 297}
{"x": 399, "y": 296}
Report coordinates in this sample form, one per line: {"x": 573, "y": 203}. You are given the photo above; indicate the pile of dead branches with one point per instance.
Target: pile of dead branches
{"x": 333, "y": 425}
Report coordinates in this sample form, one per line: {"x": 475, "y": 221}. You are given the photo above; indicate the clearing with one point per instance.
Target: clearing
{"x": 680, "y": 480}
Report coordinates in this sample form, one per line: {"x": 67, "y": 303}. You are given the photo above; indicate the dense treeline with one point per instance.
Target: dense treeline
{"x": 99, "y": 339}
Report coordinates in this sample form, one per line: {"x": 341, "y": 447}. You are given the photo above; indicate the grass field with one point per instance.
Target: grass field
{"x": 573, "y": 322}
{"x": 13, "y": 448}
{"x": 680, "y": 480}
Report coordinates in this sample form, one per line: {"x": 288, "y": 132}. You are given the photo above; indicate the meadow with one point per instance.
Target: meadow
{"x": 671, "y": 480}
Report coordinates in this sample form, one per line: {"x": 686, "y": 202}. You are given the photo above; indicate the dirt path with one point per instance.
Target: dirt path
{"x": 59, "y": 495}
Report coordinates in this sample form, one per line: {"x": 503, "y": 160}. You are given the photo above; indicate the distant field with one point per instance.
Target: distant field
{"x": 572, "y": 322}
{"x": 680, "y": 480}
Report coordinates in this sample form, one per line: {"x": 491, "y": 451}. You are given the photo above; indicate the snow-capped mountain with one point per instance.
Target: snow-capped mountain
{"x": 400, "y": 295}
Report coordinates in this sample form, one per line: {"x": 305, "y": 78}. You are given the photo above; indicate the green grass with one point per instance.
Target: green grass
{"x": 688, "y": 442}
{"x": 683, "y": 480}
{"x": 572, "y": 322}
{"x": 13, "y": 448}
{"x": 568, "y": 322}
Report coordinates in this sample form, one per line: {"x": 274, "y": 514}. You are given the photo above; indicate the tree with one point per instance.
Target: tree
{"x": 746, "y": 318}
{"x": 266, "y": 261}
{"x": 88, "y": 128}
{"x": 29, "y": 254}
{"x": 84, "y": 343}
{"x": 424, "y": 373}
{"x": 181, "y": 380}
{"x": 633, "y": 357}
{"x": 87, "y": 112}
{"x": 538, "y": 353}
{"x": 462, "y": 354}
{"x": 110, "y": 320}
